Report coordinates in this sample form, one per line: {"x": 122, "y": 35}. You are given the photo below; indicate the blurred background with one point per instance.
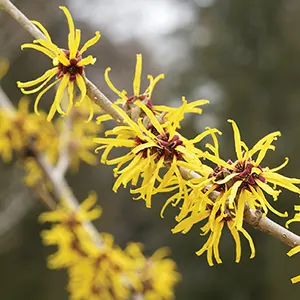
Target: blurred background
{"x": 244, "y": 56}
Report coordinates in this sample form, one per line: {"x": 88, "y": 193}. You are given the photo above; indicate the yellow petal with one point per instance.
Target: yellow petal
{"x": 126, "y": 118}
{"x": 38, "y": 98}
{"x": 294, "y": 251}
{"x": 295, "y": 279}
{"x": 89, "y": 202}
{"x": 218, "y": 233}
{"x": 91, "y": 109}
{"x": 89, "y": 60}
{"x": 49, "y": 45}
{"x": 233, "y": 192}
{"x": 46, "y": 77}
{"x": 137, "y": 75}
{"x": 240, "y": 210}
{"x": 151, "y": 116}
{"x": 153, "y": 82}
{"x": 115, "y": 142}
{"x": 227, "y": 178}
{"x": 269, "y": 206}
{"x": 260, "y": 143}
{"x": 237, "y": 240}
{"x": 44, "y": 50}
{"x": 42, "y": 29}
{"x": 103, "y": 118}
{"x": 112, "y": 87}
{"x": 237, "y": 140}
{"x": 268, "y": 189}
{"x": 283, "y": 181}
{"x": 58, "y": 97}
{"x": 90, "y": 42}
{"x": 82, "y": 87}
{"x": 286, "y": 161}
{"x": 70, "y": 23}
{"x": 205, "y": 246}
{"x": 74, "y": 47}
{"x": 70, "y": 95}
{"x": 63, "y": 59}
{"x": 251, "y": 244}
{"x": 265, "y": 147}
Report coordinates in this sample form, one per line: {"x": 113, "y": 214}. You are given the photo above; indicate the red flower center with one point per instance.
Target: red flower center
{"x": 243, "y": 170}
{"x": 165, "y": 148}
{"x": 72, "y": 69}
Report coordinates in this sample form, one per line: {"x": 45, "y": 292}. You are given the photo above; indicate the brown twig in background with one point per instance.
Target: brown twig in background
{"x": 61, "y": 189}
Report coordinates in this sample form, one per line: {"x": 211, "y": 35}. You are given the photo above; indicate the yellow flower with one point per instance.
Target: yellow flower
{"x": 78, "y": 138}
{"x": 63, "y": 214}
{"x": 176, "y": 114}
{"x": 201, "y": 208}
{"x": 236, "y": 186}
{"x": 158, "y": 274}
{"x": 101, "y": 275}
{"x": 136, "y": 83}
{"x": 34, "y": 174}
{"x": 137, "y": 95}
{"x": 68, "y": 234}
{"x": 292, "y": 252}
{"x": 153, "y": 146}
{"x": 296, "y": 249}
{"x": 105, "y": 271}
{"x": 246, "y": 180}
{"x": 21, "y": 128}
{"x": 68, "y": 67}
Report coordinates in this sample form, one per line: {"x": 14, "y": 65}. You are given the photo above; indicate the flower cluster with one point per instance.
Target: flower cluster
{"x": 128, "y": 102}
{"x": 104, "y": 271}
{"x": 150, "y": 133}
{"x": 233, "y": 187}
{"x": 152, "y": 147}
{"x": 21, "y": 129}
{"x": 20, "y": 133}
{"x": 68, "y": 67}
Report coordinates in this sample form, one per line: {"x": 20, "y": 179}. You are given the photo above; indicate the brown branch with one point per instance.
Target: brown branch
{"x": 101, "y": 100}
{"x": 254, "y": 218}
{"x": 264, "y": 224}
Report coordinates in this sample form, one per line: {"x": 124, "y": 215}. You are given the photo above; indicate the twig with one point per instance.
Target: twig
{"x": 61, "y": 190}
{"x": 259, "y": 222}
{"x": 264, "y": 224}
{"x": 101, "y": 100}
